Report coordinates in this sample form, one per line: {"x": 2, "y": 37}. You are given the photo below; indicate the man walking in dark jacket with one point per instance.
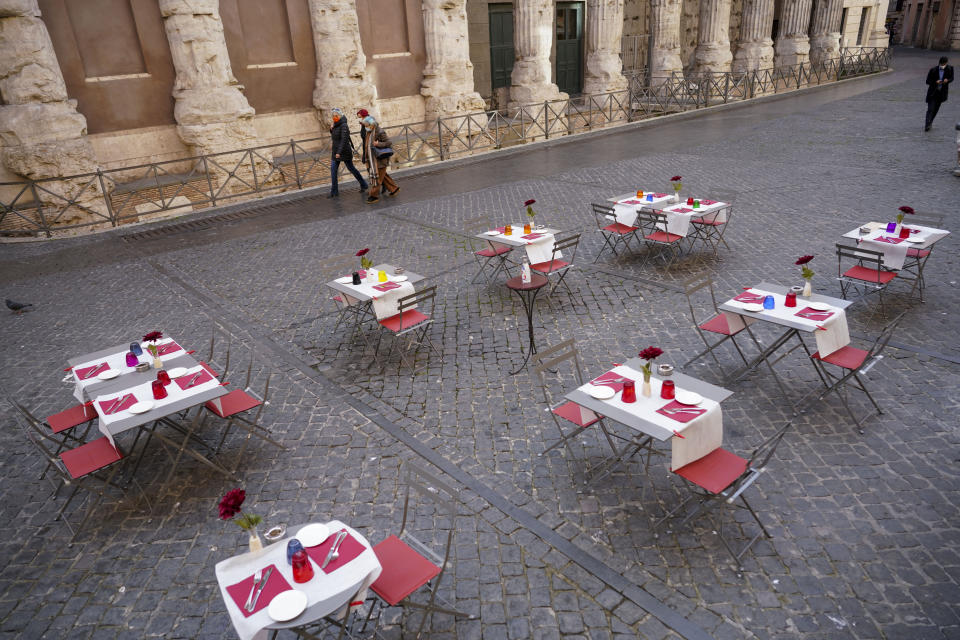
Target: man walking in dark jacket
{"x": 938, "y": 81}
{"x": 342, "y": 150}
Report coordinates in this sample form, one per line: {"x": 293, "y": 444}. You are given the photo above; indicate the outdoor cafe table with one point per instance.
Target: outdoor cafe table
{"x": 894, "y": 248}
{"x": 538, "y": 243}
{"x": 697, "y": 434}
{"x": 88, "y": 386}
{"x": 380, "y": 302}
{"x": 330, "y": 591}
{"x": 831, "y": 333}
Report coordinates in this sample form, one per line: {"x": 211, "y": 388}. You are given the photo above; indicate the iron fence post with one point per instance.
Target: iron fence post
{"x": 106, "y": 199}
{"x": 43, "y": 219}
{"x": 206, "y": 172}
{"x": 546, "y": 122}
{"x": 726, "y": 87}
{"x": 440, "y": 138}
{"x": 296, "y": 167}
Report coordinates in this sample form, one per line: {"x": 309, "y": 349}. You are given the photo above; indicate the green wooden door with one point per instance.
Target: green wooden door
{"x": 569, "y": 33}
{"x": 501, "y": 44}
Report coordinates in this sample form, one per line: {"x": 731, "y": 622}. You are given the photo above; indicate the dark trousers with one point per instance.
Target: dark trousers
{"x": 932, "y": 107}
{"x": 334, "y": 168}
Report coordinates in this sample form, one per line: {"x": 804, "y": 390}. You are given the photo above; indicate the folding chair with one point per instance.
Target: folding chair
{"x": 614, "y": 233}
{"x": 241, "y": 408}
{"x": 218, "y": 358}
{"x": 62, "y": 428}
{"x": 411, "y": 323}
{"x": 868, "y": 275}
{"x": 716, "y": 325}
{"x": 494, "y": 258}
{"x": 548, "y": 361}
{"x": 556, "y": 266}
{"x": 91, "y": 467}
{"x": 409, "y": 563}
{"x": 917, "y": 258}
{"x": 710, "y": 231}
{"x": 349, "y": 310}
{"x": 653, "y": 225}
{"x": 853, "y": 363}
{"x": 721, "y": 478}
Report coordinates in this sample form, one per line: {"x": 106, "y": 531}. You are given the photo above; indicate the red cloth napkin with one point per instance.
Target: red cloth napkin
{"x": 705, "y": 201}
{"x": 532, "y": 236}
{"x": 276, "y": 584}
{"x": 682, "y": 210}
{"x": 606, "y": 380}
{"x": 746, "y": 296}
{"x": 684, "y": 417}
{"x": 889, "y": 240}
{"x": 659, "y": 195}
{"x": 170, "y": 347}
{"x": 809, "y": 313}
{"x": 386, "y": 286}
{"x": 126, "y": 404}
{"x": 96, "y": 370}
{"x": 349, "y": 549}
{"x": 630, "y": 202}
{"x": 184, "y": 380}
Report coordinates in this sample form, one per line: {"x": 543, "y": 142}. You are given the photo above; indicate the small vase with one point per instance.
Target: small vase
{"x": 645, "y": 389}
{"x": 807, "y": 289}
{"x": 676, "y": 197}
{"x": 157, "y": 363}
{"x": 256, "y": 544}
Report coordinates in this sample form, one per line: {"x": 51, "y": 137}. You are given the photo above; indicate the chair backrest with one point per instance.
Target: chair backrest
{"x": 220, "y": 343}
{"x": 566, "y": 243}
{"x": 548, "y": 361}
{"x": 40, "y": 440}
{"x": 651, "y": 220}
{"x": 604, "y": 213}
{"x": 881, "y": 342}
{"x": 873, "y": 259}
{"x": 424, "y": 297}
{"x": 428, "y": 486}
{"x": 692, "y": 287}
{"x": 924, "y": 219}
{"x": 765, "y": 450}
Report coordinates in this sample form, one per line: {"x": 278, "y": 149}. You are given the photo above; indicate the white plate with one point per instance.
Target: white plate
{"x": 287, "y": 605}
{"x": 600, "y": 392}
{"x": 688, "y": 397}
{"x": 313, "y": 534}
{"x": 176, "y": 372}
{"x": 753, "y": 306}
{"x": 109, "y": 374}
{"x": 141, "y": 407}
{"x": 398, "y": 278}
{"x": 491, "y": 233}
{"x": 345, "y": 280}
{"x": 819, "y": 306}
{"x": 915, "y": 239}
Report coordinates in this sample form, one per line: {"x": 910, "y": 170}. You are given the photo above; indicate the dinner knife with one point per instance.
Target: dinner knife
{"x": 256, "y": 596}
{"x": 94, "y": 371}
{"x": 193, "y": 380}
{"x": 336, "y": 543}
{"x": 117, "y": 403}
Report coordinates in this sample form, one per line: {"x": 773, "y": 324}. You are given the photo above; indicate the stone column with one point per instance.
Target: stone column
{"x": 603, "y": 72}
{"x": 211, "y": 111}
{"x": 755, "y": 48}
{"x": 665, "y": 27}
{"x": 793, "y": 45}
{"x": 713, "y": 36}
{"x": 448, "y": 74}
{"x": 825, "y": 30}
{"x": 342, "y": 79}
{"x": 42, "y": 133}
{"x": 530, "y": 82}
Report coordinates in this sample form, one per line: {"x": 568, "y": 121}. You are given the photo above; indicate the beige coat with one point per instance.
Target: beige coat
{"x": 378, "y": 136}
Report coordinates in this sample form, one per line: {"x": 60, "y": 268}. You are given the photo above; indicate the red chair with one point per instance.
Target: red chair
{"x": 709, "y": 230}
{"x": 653, "y": 230}
{"x": 868, "y": 275}
{"x": 614, "y": 233}
{"x": 556, "y": 266}
{"x": 62, "y": 428}
{"x": 494, "y": 258}
{"x": 410, "y": 323}
{"x": 721, "y": 478}
{"x": 717, "y": 326}
{"x": 408, "y": 563}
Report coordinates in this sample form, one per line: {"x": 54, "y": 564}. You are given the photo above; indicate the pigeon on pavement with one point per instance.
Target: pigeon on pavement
{"x": 17, "y": 307}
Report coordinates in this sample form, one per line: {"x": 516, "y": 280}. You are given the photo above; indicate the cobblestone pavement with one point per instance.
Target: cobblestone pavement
{"x": 865, "y": 528}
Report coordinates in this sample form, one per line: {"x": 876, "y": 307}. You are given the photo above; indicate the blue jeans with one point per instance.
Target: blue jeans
{"x": 335, "y": 166}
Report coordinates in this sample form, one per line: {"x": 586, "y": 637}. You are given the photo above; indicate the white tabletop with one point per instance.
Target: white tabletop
{"x": 928, "y": 235}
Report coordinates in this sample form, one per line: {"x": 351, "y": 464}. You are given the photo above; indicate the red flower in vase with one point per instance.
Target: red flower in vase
{"x": 803, "y": 260}
{"x": 650, "y": 353}
{"x": 153, "y": 336}
{"x": 676, "y": 179}
{"x": 230, "y": 504}
{"x": 529, "y": 202}
{"x": 906, "y": 209}
{"x": 363, "y": 252}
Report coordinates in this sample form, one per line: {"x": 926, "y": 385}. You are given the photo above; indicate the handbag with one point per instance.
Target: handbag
{"x": 382, "y": 152}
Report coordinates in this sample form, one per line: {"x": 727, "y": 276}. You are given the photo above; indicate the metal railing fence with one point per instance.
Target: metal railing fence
{"x": 113, "y": 197}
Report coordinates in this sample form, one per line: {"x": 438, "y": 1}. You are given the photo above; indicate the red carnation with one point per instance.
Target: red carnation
{"x": 363, "y": 252}
{"x": 153, "y": 336}
{"x": 529, "y": 202}
{"x": 675, "y": 179}
{"x": 231, "y": 503}
{"x": 650, "y": 353}
{"x": 906, "y": 209}
{"x": 803, "y": 260}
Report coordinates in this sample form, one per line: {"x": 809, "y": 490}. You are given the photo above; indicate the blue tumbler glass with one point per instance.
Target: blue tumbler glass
{"x": 135, "y": 348}
{"x": 292, "y": 547}
{"x": 768, "y": 302}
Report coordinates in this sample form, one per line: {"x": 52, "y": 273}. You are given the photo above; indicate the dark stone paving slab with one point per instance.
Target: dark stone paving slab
{"x": 864, "y": 527}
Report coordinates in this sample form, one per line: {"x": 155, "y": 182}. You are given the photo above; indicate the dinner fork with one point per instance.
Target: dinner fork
{"x": 116, "y": 403}
{"x": 685, "y": 410}
{"x": 256, "y": 581}
{"x": 193, "y": 380}
{"x": 94, "y": 371}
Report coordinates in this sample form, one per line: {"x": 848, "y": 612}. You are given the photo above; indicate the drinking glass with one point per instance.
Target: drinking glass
{"x": 507, "y": 230}
{"x": 302, "y": 571}
{"x": 649, "y": 197}
{"x": 526, "y": 228}
{"x": 135, "y": 349}
{"x": 696, "y": 204}
{"x": 382, "y": 276}
{"x": 629, "y": 391}
{"x": 132, "y": 359}
{"x": 904, "y": 232}
{"x": 293, "y": 547}
{"x": 356, "y": 277}
{"x": 891, "y": 227}
{"x": 668, "y": 390}
{"x": 768, "y": 302}
{"x": 163, "y": 377}
{"x": 639, "y": 193}
{"x": 159, "y": 391}
{"x": 791, "y": 299}
{"x": 690, "y": 200}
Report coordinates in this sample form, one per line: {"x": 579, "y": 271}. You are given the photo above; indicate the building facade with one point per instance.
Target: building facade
{"x": 117, "y": 83}
{"x": 928, "y": 24}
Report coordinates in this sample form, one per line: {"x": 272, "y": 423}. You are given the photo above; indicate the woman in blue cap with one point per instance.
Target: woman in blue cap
{"x": 379, "y": 149}
{"x": 342, "y": 150}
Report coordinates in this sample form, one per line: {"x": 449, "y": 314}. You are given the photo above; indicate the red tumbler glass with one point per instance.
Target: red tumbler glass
{"x": 904, "y": 232}
{"x": 159, "y": 391}
{"x": 668, "y": 390}
{"x": 690, "y": 200}
{"x": 163, "y": 377}
{"x": 302, "y": 570}
{"x": 629, "y": 392}
{"x": 791, "y": 299}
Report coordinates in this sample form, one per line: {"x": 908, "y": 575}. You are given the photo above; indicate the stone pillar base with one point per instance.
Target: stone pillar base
{"x": 603, "y": 74}
{"x": 714, "y": 57}
{"x": 824, "y": 48}
{"x": 663, "y": 64}
{"x": 791, "y": 51}
{"x": 751, "y": 56}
